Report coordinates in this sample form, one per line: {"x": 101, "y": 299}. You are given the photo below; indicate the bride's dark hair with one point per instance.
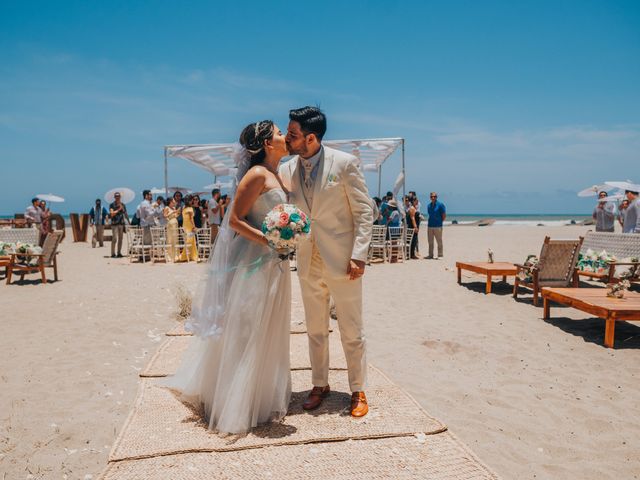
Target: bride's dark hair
{"x": 253, "y": 137}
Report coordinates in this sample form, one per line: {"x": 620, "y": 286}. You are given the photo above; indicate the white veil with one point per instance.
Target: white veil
{"x": 208, "y": 307}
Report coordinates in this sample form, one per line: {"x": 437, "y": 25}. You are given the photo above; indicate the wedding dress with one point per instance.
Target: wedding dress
{"x": 238, "y": 369}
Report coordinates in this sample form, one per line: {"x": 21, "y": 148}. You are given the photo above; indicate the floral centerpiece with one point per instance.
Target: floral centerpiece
{"x": 594, "y": 262}
{"x": 23, "y": 250}
{"x": 531, "y": 262}
{"x": 616, "y": 290}
{"x": 284, "y": 226}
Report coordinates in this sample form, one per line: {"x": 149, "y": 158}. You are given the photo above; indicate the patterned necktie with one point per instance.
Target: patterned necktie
{"x": 308, "y": 168}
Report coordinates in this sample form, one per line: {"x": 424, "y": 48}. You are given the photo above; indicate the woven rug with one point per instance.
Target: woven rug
{"x": 167, "y": 359}
{"x": 435, "y": 457}
{"x": 160, "y": 424}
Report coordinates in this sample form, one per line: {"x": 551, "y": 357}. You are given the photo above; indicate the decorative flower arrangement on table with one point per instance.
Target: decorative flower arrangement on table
{"x": 284, "y": 226}
{"x": 616, "y": 290}
{"x": 594, "y": 262}
{"x": 532, "y": 262}
{"x": 23, "y": 250}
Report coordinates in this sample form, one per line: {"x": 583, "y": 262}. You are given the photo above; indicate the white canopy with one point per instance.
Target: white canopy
{"x": 218, "y": 158}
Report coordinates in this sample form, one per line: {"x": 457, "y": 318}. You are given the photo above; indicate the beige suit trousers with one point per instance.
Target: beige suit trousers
{"x": 317, "y": 287}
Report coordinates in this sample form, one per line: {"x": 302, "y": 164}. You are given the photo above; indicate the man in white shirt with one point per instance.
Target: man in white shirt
{"x": 147, "y": 214}
{"x": 33, "y": 213}
{"x": 604, "y": 214}
{"x": 215, "y": 211}
{"x": 632, "y": 214}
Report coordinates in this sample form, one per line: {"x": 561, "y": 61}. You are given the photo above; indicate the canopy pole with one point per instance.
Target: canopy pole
{"x": 166, "y": 175}
{"x": 379, "y": 179}
{"x": 404, "y": 176}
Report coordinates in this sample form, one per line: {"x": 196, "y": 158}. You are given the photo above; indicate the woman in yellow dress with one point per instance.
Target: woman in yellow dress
{"x": 190, "y": 252}
{"x": 171, "y": 215}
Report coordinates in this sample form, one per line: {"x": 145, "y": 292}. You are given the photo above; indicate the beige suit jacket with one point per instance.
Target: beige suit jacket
{"x": 341, "y": 215}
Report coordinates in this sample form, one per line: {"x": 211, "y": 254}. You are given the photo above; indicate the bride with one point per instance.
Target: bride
{"x": 237, "y": 366}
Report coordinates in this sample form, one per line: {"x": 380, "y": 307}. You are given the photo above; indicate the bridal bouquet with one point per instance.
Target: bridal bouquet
{"x": 285, "y": 225}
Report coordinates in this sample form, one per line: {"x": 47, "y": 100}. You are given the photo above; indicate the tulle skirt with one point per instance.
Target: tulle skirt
{"x": 241, "y": 377}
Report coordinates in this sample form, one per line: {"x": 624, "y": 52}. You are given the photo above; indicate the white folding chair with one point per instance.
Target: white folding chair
{"x": 395, "y": 242}
{"x": 203, "y": 238}
{"x": 159, "y": 244}
{"x": 378, "y": 245}
{"x": 135, "y": 239}
{"x": 408, "y": 238}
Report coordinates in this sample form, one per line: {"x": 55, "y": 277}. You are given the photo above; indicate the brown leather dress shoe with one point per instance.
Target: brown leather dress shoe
{"x": 314, "y": 400}
{"x": 359, "y": 406}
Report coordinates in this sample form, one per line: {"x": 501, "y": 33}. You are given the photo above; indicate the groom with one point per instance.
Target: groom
{"x": 328, "y": 186}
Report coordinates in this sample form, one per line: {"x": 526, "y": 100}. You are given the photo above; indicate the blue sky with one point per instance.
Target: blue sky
{"x": 506, "y": 107}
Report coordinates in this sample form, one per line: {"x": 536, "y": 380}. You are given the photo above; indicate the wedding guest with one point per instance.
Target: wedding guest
{"x": 158, "y": 210}
{"x": 632, "y": 214}
{"x": 197, "y": 213}
{"x": 224, "y": 204}
{"x": 190, "y": 252}
{"x": 45, "y": 221}
{"x": 179, "y": 205}
{"x": 393, "y": 218}
{"x": 376, "y": 210}
{"x": 412, "y": 222}
{"x": 604, "y": 213}
{"x": 215, "y": 217}
{"x": 147, "y": 214}
{"x": 170, "y": 214}
{"x": 32, "y": 213}
{"x": 118, "y": 215}
{"x": 622, "y": 210}
{"x": 437, "y": 215}
{"x": 97, "y": 216}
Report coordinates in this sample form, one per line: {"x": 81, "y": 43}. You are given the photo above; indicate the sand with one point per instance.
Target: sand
{"x": 532, "y": 398}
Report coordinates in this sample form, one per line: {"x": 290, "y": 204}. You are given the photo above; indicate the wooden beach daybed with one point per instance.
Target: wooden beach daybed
{"x": 19, "y": 264}
{"x": 596, "y": 302}
{"x": 620, "y": 245}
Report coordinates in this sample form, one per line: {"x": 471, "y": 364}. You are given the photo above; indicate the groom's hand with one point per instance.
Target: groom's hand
{"x": 355, "y": 269}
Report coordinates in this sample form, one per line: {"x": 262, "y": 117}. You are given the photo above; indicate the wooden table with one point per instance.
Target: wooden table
{"x": 495, "y": 269}
{"x": 596, "y": 302}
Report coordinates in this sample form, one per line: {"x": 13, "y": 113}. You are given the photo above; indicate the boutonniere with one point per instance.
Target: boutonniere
{"x": 332, "y": 179}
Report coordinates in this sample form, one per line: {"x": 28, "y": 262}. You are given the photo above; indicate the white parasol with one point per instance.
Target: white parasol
{"x": 219, "y": 185}
{"x": 126, "y": 194}
{"x": 628, "y": 185}
{"x": 157, "y": 191}
{"x": 49, "y": 197}
{"x": 594, "y": 190}
{"x": 179, "y": 189}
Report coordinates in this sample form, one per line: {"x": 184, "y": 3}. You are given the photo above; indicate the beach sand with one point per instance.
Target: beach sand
{"x": 532, "y": 398}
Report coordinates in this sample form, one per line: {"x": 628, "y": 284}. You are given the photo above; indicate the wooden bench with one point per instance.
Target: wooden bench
{"x": 596, "y": 302}
{"x": 496, "y": 269}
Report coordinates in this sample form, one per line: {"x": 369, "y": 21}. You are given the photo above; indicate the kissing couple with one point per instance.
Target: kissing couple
{"x": 237, "y": 366}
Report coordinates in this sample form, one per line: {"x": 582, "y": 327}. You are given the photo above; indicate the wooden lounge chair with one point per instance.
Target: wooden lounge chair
{"x": 556, "y": 267}
{"x": 20, "y": 263}
{"x": 621, "y": 245}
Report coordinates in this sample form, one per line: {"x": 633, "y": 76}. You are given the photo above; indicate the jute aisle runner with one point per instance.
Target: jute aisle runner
{"x": 163, "y": 438}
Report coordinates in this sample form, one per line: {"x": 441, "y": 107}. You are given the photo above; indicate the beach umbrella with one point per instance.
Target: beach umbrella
{"x": 49, "y": 197}
{"x": 628, "y": 185}
{"x": 594, "y": 190}
{"x": 157, "y": 191}
{"x": 219, "y": 185}
{"x": 126, "y": 194}
{"x": 179, "y": 189}
{"x": 201, "y": 193}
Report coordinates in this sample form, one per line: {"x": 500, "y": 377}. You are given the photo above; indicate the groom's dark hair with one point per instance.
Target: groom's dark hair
{"x": 311, "y": 120}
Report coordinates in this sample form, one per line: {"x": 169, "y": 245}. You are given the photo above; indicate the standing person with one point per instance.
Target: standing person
{"x": 33, "y": 214}
{"x": 197, "y": 213}
{"x": 604, "y": 213}
{"x": 179, "y": 205}
{"x": 146, "y": 214}
{"x": 237, "y": 369}
{"x": 190, "y": 250}
{"x": 622, "y": 210}
{"x": 393, "y": 218}
{"x": 437, "y": 215}
{"x": 170, "y": 215}
{"x": 117, "y": 214}
{"x": 158, "y": 211}
{"x": 45, "y": 221}
{"x": 224, "y": 204}
{"x": 97, "y": 216}
{"x": 413, "y": 221}
{"x": 632, "y": 214}
{"x": 328, "y": 186}
{"x": 215, "y": 218}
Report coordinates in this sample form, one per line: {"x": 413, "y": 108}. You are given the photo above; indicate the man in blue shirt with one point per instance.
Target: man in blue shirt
{"x": 437, "y": 214}
{"x": 97, "y": 216}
